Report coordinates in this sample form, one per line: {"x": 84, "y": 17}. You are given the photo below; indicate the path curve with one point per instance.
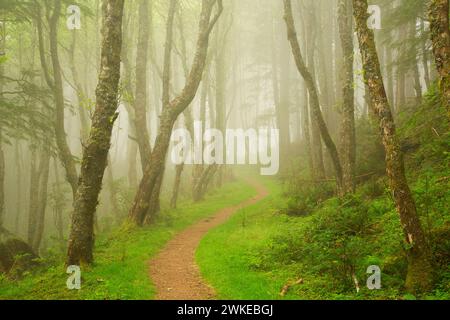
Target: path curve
{"x": 174, "y": 270}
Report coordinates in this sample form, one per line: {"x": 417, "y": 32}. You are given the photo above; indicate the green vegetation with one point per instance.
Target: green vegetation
{"x": 120, "y": 270}
{"x": 302, "y": 234}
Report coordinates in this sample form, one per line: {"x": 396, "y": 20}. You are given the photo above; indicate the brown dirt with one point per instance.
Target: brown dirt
{"x": 174, "y": 270}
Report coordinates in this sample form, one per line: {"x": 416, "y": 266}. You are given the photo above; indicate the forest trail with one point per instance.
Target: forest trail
{"x": 174, "y": 271}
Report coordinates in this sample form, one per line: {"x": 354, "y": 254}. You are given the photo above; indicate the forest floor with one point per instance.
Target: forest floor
{"x": 174, "y": 271}
{"x": 122, "y": 254}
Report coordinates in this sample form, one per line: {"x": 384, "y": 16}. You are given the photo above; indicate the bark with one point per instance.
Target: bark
{"x": 95, "y": 153}
{"x": 33, "y": 200}
{"x": 315, "y": 105}
{"x": 419, "y": 268}
{"x": 170, "y": 113}
{"x": 348, "y": 142}
{"x": 140, "y": 103}
{"x": 65, "y": 154}
{"x": 111, "y": 187}
{"x": 440, "y": 37}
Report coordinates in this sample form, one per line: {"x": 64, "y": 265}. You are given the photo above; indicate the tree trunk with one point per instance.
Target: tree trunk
{"x": 316, "y": 148}
{"x": 95, "y": 153}
{"x": 44, "y": 166}
{"x": 128, "y": 101}
{"x": 419, "y": 268}
{"x": 111, "y": 187}
{"x": 2, "y": 161}
{"x": 81, "y": 95}
{"x": 306, "y": 131}
{"x": 401, "y": 71}
{"x": 415, "y": 64}
{"x": 176, "y": 185}
{"x": 440, "y": 37}
{"x": 19, "y": 200}
{"x": 140, "y": 103}
{"x": 170, "y": 113}
{"x": 15, "y": 253}
{"x": 315, "y": 105}
{"x": 58, "y": 92}
{"x": 201, "y": 187}
{"x": 33, "y": 201}
{"x": 348, "y": 142}
{"x": 282, "y": 110}
{"x": 220, "y": 86}
{"x": 425, "y": 57}
{"x": 58, "y": 207}
{"x": 2, "y": 182}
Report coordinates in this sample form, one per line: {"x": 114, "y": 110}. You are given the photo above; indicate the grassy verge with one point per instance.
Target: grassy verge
{"x": 231, "y": 272}
{"x": 262, "y": 249}
{"x": 121, "y": 270}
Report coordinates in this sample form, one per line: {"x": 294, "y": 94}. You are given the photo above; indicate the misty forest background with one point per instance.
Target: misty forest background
{"x": 86, "y": 117}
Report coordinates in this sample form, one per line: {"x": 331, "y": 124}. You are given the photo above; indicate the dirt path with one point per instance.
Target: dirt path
{"x": 174, "y": 271}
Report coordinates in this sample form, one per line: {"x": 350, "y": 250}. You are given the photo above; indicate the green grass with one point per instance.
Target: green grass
{"x": 261, "y": 249}
{"x": 120, "y": 270}
{"x": 226, "y": 253}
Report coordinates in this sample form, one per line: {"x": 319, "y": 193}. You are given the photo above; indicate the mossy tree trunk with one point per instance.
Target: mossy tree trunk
{"x": 95, "y": 153}
{"x": 419, "y": 273}
{"x": 140, "y": 102}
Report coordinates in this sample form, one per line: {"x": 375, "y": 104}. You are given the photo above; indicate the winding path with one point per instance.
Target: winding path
{"x": 174, "y": 270}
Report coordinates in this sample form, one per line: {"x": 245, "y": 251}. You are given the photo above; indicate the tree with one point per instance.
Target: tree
{"x": 55, "y": 83}
{"x": 95, "y": 153}
{"x": 150, "y": 183}
{"x": 440, "y": 37}
{"x": 2, "y": 158}
{"x": 419, "y": 266}
{"x": 313, "y": 96}
{"x": 140, "y": 102}
{"x": 348, "y": 153}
